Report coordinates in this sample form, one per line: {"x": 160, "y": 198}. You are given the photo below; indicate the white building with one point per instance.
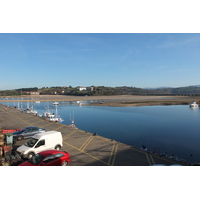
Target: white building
{"x": 82, "y": 88}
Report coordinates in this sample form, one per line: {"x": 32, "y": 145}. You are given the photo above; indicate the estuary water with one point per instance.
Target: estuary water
{"x": 173, "y": 129}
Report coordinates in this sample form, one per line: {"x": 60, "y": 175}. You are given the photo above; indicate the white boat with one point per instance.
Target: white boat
{"x": 56, "y": 117}
{"x": 31, "y": 111}
{"x": 37, "y": 101}
{"x": 72, "y": 121}
{"x": 194, "y": 104}
{"x": 55, "y": 103}
{"x": 48, "y": 113}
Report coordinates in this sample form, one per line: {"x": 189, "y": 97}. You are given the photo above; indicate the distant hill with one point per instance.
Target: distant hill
{"x": 103, "y": 90}
{"x": 188, "y": 90}
{"x": 147, "y": 88}
{"x": 194, "y": 86}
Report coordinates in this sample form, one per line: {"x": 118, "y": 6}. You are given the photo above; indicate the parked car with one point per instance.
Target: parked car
{"x": 27, "y": 132}
{"x": 41, "y": 142}
{"x": 48, "y": 158}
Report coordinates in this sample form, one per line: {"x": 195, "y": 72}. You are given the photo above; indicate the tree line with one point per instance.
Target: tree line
{"x": 103, "y": 90}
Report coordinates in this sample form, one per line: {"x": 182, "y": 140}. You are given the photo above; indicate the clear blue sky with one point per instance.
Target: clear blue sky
{"x": 108, "y": 59}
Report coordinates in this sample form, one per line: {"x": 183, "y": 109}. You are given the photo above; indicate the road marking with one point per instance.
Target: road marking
{"x": 59, "y": 127}
{"x": 86, "y": 153}
{"x": 148, "y": 159}
{"x": 39, "y": 122}
{"x": 86, "y": 143}
{"x": 19, "y": 118}
{"x": 113, "y": 153}
{"x": 152, "y": 159}
{"x": 70, "y": 134}
{"x": 47, "y": 124}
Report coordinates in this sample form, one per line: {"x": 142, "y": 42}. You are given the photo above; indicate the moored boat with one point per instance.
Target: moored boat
{"x": 55, "y": 117}
{"x": 55, "y": 103}
{"x": 194, "y": 104}
{"x": 72, "y": 121}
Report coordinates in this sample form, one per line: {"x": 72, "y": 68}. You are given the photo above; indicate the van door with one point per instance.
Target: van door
{"x": 40, "y": 146}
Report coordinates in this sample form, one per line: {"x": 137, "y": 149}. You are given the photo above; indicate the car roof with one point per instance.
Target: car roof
{"x": 50, "y": 152}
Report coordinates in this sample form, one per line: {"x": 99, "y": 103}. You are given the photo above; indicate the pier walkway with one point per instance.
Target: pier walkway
{"x": 86, "y": 149}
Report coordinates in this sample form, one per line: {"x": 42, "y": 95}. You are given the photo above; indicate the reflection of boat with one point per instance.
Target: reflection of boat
{"x": 194, "y": 104}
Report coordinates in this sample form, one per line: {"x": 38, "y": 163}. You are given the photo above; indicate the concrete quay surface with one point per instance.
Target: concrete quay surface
{"x": 86, "y": 149}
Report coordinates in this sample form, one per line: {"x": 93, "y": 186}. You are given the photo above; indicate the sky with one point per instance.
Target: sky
{"x": 145, "y": 60}
{"x": 100, "y": 43}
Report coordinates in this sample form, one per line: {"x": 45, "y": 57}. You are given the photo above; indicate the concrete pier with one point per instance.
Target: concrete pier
{"x": 86, "y": 149}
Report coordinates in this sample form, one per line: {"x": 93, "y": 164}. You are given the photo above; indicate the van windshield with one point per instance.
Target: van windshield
{"x": 31, "y": 142}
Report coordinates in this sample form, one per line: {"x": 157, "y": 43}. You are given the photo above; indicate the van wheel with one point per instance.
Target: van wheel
{"x": 57, "y": 147}
{"x": 20, "y": 137}
{"x": 64, "y": 163}
{"x": 30, "y": 155}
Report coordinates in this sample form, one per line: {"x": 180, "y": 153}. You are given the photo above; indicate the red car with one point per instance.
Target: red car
{"x": 48, "y": 158}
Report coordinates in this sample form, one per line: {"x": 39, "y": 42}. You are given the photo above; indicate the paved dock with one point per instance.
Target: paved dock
{"x": 86, "y": 149}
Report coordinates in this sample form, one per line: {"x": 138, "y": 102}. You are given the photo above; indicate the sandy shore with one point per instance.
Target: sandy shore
{"x": 144, "y": 102}
{"x": 115, "y": 101}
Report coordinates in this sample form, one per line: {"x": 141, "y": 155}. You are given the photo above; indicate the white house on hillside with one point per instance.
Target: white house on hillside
{"x": 82, "y": 88}
{"x": 85, "y": 88}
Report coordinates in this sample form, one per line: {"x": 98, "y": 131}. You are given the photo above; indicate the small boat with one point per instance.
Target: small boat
{"x": 194, "y": 104}
{"x": 48, "y": 114}
{"x": 37, "y": 101}
{"x": 55, "y": 103}
{"x": 72, "y": 121}
{"x": 56, "y": 119}
{"x": 31, "y": 111}
{"x": 73, "y": 126}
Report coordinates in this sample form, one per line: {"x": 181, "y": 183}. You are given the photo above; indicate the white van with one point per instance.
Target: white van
{"x": 41, "y": 142}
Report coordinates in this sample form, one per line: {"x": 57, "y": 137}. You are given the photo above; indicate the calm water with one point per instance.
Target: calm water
{"x": 171, "y": 129}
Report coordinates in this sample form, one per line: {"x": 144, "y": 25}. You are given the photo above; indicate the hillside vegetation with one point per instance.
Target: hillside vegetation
{"x": 103, "y": 90}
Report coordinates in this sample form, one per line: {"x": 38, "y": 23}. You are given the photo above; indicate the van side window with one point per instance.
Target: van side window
{"x": 40, "y": 143}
